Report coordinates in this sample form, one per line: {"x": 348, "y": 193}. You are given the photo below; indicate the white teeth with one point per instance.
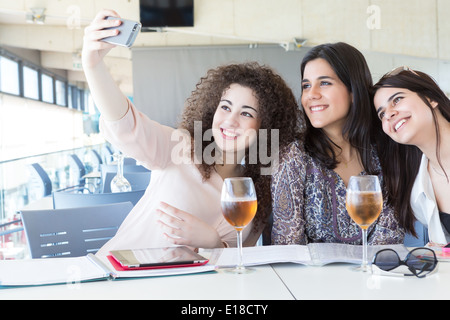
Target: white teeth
{"x": 318, "y": 108}
{"x": 399, "y": 124}
{"x": 228, "y": 134}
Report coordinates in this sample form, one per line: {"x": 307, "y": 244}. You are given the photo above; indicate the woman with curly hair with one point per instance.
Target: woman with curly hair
{"x": 222, "y": 134}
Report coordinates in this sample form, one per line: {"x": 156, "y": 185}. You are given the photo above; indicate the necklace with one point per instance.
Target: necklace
{"x": 345, "y": 163}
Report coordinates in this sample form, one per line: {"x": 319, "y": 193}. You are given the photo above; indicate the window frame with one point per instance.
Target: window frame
{"x": 72, "y": 91}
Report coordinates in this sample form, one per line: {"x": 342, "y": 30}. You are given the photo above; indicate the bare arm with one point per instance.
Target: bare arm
{"x": 108, "y": 98}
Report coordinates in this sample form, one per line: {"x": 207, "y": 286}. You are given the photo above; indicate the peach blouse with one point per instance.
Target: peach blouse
{"x": 175, "y": 180}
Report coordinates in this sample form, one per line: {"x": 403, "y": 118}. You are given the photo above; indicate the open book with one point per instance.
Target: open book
{"x": 315, "y": 254}
{"x": 34, "y": 272}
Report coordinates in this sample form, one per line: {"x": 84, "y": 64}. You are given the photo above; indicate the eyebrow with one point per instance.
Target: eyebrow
{"x": 389, "y": 100}
{"x": 244, "y": 106}
{"x": 319, "y": 78}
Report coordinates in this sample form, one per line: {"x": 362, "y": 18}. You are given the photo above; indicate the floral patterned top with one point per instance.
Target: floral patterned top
{"x": 309, "y": 205}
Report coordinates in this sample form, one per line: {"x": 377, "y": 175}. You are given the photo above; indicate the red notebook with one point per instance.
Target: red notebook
{"x": 116, "y": 264}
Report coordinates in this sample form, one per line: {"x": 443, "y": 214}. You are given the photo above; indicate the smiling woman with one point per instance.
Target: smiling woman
{"x": 415, "y": 114}
{"x": 236, "y": 120}
{"x": 398, "y": 107}
{"x": 325, "y": 97}
{"x": 309, "y": 188}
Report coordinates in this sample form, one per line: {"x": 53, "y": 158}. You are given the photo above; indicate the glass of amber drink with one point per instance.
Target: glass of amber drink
{"x": 364, "y": 202}
{"x": 239, "y": 204}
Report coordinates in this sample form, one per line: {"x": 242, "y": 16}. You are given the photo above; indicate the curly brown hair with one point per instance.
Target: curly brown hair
{"x": 278, "y": 109}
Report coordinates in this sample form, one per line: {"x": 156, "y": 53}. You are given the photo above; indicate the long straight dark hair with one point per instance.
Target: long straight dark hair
{"x": 401, "y": 163}
{"x": 351, "y": 67}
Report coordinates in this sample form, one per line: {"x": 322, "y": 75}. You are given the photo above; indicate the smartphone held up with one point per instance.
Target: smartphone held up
{"x": 128, "y": 31}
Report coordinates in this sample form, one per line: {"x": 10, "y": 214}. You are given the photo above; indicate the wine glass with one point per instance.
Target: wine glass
{"x": 119, "y": 183}
{"x": 239, "y": 206}
{"x": 364, "y": 202}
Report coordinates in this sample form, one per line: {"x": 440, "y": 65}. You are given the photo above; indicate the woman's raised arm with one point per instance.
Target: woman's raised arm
{"x": 108, "y": 98}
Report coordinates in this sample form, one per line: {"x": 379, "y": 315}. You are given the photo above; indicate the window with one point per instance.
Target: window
{"x": 30, "y": 83}
{"x": 28, "y": 80}
{"x": 91, "y": 109}
{"x": 9, "y": 76}
{"x": 47, "y": 88}
{"x": 73, "y": 97}
{"x": 60, "y": 92}
{"x": 76, "y": 98}
{"x": 81, "y": 100}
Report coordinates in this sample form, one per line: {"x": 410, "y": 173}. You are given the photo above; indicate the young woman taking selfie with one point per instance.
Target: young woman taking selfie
{"x": 232, "y": 104}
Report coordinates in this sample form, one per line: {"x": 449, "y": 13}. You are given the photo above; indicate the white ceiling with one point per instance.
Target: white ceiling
{"x": 59, "y": 39}
{"x": 370, "y": 25}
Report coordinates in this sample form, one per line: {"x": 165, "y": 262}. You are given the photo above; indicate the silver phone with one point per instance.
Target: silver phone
{"x": 128, "y": 31}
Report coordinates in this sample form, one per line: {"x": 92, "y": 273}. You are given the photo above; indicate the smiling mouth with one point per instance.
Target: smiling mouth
{"x": 318, "y": 108}
{"x": 228, "y": 135}
{"x": 399, "y": 124}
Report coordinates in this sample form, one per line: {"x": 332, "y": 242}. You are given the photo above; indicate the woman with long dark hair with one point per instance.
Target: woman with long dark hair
{"x": 309, "y": 187}
{"x": 415, "y": 115}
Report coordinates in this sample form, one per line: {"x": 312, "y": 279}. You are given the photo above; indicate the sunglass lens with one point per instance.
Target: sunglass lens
{"x": 387, "y": 260}
{"x": 422, "y": 260}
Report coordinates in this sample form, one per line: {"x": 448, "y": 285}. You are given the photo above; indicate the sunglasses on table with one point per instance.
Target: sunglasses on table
{"x": 419, "y": 262}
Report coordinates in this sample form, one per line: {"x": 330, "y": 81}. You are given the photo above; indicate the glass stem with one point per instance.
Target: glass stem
{"x": 120, "y": 166}
{"x": 239, "y": 243}
{"x": 365, "y": 263}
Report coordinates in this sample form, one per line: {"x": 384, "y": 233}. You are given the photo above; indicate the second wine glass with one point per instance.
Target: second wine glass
{"x": 239, "y": 204}
{"x": 364, "y": 203}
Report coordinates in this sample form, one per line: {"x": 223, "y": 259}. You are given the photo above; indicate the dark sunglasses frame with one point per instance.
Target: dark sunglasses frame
{"x": 429, "y": 268}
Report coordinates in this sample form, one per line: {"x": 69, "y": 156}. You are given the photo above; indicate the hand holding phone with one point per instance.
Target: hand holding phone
{"x": 94, "y": 50}
{"x": 128, "y": 31}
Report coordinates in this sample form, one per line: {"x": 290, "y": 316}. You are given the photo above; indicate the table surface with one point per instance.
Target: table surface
{"x": 263, "y": 284}
{"x": 341, "y": 281}
{"x": 286, "y": 281}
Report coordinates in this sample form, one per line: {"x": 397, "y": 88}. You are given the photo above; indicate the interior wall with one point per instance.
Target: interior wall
{"x": 163, "y": 78}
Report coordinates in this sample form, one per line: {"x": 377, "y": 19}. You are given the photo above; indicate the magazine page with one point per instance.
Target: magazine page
{"x": 261, "y": 255}
{"x": 312, "y": 254}
{"x": 325, "y": 253}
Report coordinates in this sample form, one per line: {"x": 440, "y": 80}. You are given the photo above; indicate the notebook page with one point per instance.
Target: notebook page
{"x": 49, "y": 271}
